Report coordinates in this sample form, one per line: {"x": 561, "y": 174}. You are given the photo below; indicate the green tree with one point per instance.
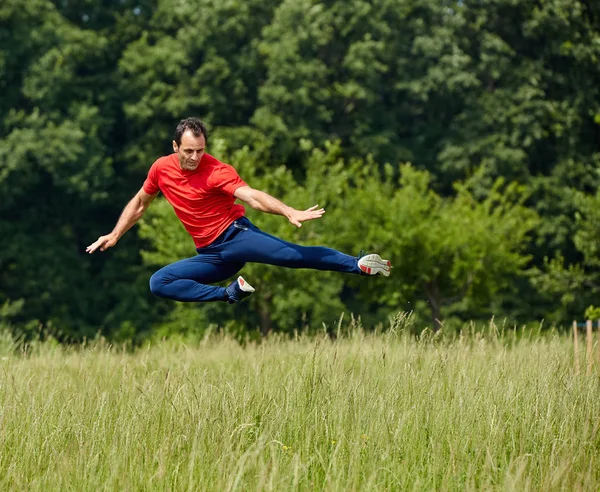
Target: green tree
{"x": 334, "y": 71}
{"x": 58, "y": 156}
{"x": 574, "y": 285}
{"x": 456, "y": 252}
{"x": 470, "y": 92}
{"x": 193, "y": 59}
{"x": 52, "y": 159}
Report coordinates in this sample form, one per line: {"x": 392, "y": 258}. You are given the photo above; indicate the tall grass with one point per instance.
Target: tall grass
{"x": 363, "y": 412}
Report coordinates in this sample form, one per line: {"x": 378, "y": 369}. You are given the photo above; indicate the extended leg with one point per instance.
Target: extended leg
{"x": 254, "y": 245}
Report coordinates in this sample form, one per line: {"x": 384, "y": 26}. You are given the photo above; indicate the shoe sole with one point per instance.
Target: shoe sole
{"x": 374, "y": 264}
{"x": 245, "y": 286}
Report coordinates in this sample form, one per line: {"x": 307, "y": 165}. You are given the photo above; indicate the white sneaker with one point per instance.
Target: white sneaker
{"x": 238, "y": 290}
{"x": 374, "y": 264}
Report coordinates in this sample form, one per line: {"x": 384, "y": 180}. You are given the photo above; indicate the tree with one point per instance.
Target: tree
{"x": 53, "y": 158}
{"x": 337, "y": 70}
{"x": 572, "y": 286}
{"x": 459, "y": 252}
{"x": 193, "y": 59}
{"x": 444, "y": 250}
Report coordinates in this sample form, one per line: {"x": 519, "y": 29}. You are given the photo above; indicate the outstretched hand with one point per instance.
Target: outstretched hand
{"x": 102, "y": 243}
{"x": 299, "y": 216}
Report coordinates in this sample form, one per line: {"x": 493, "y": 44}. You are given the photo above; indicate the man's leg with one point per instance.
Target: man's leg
{"x": 186, "y": 280}
{"x": 254, "y": 245}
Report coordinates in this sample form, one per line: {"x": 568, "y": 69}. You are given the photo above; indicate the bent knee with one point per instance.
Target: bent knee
{"x": 158, "y": 284}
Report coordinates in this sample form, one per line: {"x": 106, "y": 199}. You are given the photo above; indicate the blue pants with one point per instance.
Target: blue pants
{"x": 241, "y": 242}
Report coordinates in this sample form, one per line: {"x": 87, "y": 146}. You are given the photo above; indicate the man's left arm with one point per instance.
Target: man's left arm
{"x": 263, "y": 202}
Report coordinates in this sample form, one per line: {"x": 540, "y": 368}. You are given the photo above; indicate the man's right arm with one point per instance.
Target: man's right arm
{"x": 130, "y": 215}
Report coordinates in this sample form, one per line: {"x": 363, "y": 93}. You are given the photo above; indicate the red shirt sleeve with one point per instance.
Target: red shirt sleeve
{"x": 226, "y": 179}
{"x": 151, "y": 183}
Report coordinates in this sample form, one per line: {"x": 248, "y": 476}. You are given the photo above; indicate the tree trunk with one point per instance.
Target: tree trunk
{"x": 264, "y": 313}
{"x": 433, "y": 295}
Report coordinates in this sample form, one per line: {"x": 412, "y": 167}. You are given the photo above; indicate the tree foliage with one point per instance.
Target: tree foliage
{"x": 495, "y": 103}
{"x": 444, "y": 250}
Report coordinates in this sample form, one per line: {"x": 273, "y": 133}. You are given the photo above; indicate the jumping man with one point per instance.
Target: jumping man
{"x": 203, "y": 191}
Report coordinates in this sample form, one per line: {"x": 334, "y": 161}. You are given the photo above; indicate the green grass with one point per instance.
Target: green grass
{"x": 367, "y": 412}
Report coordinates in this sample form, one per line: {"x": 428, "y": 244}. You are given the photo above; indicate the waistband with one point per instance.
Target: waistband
{"x": 241, "y": 224}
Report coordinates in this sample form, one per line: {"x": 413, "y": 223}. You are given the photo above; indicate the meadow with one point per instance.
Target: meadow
{"x": 495, "y": 410}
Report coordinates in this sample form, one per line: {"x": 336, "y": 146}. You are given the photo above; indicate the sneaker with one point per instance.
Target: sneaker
{"x": 374, "y": 264}
{"x": 238, "y": 290}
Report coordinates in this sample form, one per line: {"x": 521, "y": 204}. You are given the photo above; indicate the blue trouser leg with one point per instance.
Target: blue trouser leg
{"x": 242, "y": 242}
{"x": 254, "y": 245}
{"x": 185, "y": 280}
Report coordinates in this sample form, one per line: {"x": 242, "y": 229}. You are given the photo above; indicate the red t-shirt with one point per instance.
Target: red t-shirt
{"x": 203, "y": 199}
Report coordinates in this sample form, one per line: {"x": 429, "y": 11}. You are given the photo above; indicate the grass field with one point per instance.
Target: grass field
{"x": 364, "y": 412}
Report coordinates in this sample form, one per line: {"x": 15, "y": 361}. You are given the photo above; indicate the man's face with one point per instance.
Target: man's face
{"x": 190, "y": 151}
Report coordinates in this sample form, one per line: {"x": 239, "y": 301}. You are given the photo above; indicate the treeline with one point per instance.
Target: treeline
{"x": 460, "y": 139}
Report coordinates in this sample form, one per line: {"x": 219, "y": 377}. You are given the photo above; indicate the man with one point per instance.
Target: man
{"x": 203, "y": 191}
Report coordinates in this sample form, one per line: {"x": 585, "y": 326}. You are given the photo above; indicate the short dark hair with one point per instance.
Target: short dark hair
{"x": 196, "y": 126}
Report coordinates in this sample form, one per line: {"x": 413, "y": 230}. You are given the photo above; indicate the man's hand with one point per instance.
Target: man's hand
{"x": 103, "y": 243}
{"x": 130, "y": 215}
{"x": 296, "y": 217}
